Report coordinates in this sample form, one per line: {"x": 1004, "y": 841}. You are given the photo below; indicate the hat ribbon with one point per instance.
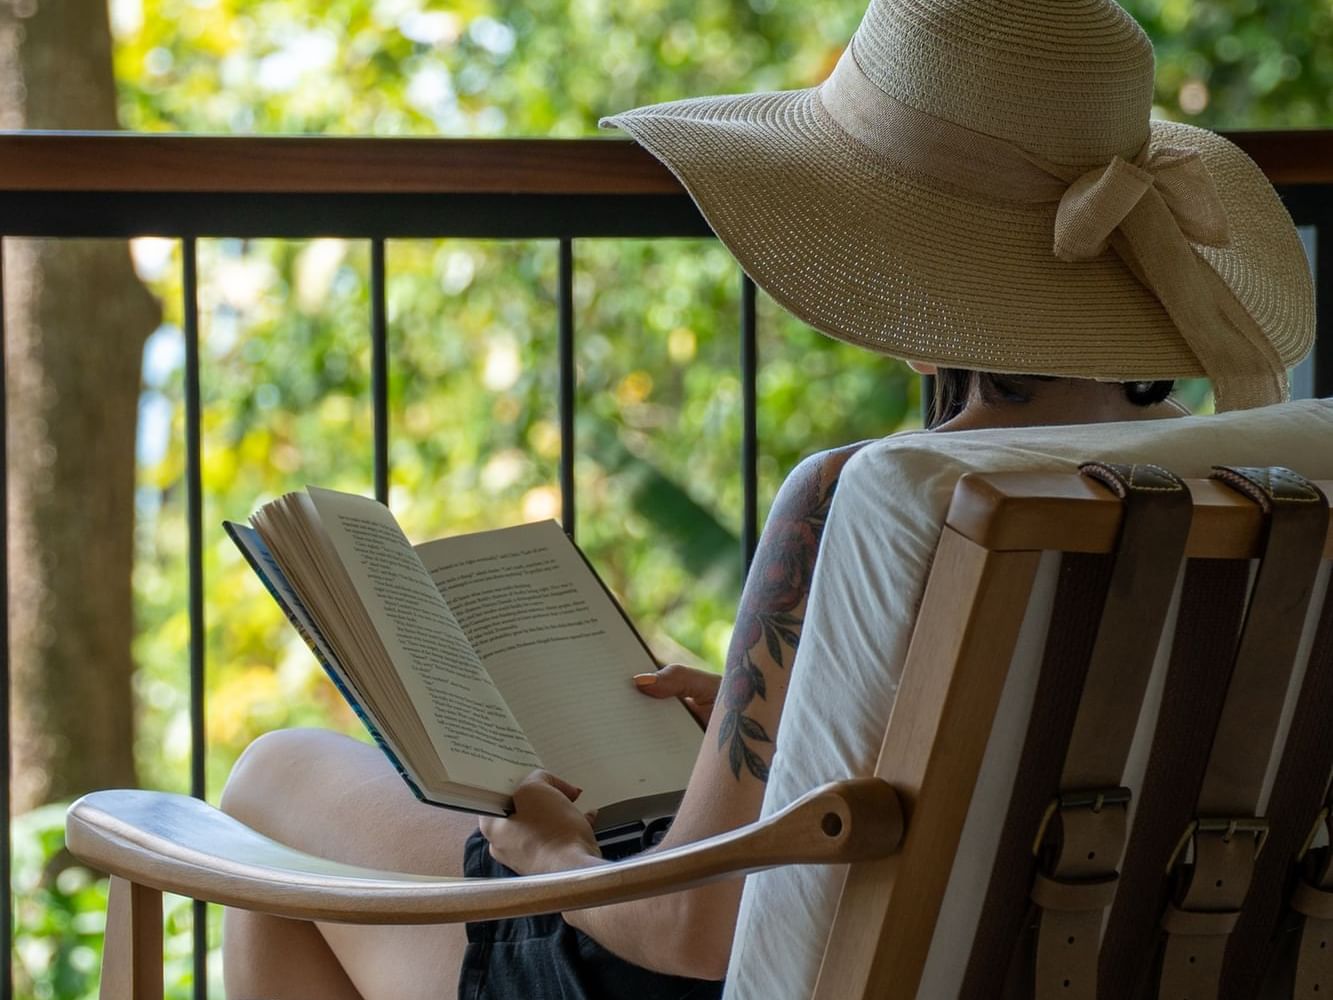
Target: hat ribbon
{"x": 1146, "y": 208}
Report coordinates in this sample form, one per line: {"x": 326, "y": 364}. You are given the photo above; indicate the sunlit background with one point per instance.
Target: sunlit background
{"x": 474, "y": 433}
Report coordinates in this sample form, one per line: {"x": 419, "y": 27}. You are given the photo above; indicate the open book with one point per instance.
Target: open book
{"x": 474, "y": 659}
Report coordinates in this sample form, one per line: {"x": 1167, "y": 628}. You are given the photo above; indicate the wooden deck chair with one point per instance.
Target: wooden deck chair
{"x": 949, "y": 851}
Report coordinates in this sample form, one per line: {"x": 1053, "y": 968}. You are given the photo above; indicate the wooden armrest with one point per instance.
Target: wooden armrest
{"x": 181, "y": 845}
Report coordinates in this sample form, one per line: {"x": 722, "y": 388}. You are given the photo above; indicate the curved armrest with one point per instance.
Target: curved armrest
{"x": 181, "y": 845}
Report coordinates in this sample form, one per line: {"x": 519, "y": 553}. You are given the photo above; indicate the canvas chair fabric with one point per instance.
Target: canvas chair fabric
{"x": 876, "y": 551}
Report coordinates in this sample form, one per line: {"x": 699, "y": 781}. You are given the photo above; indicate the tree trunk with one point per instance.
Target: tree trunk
{"x": 76, "y": 318}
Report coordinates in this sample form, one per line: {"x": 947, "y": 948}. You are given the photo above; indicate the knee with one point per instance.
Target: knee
{"x": 271, "y": 771}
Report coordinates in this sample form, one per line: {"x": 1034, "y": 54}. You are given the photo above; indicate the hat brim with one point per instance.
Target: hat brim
{"x": 870, "y": 254}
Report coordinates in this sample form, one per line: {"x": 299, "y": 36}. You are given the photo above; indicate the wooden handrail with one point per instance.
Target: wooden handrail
{"x": 137, "y": 162}
{"x": 140, "y": 162}
{"x": 1295, "y": 156}
{"x": 179, "y": 844}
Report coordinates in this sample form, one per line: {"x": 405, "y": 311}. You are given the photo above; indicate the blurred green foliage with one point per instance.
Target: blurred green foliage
{"x": 60, "y": 917}
{"x": 474, "y": 438}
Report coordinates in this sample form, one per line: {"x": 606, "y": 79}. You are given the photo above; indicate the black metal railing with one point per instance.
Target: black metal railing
{"x": 113, "y": 185}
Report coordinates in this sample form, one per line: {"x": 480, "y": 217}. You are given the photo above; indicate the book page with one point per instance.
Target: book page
{"x": 563, "y": 655}
{"x": 469, "y": 724}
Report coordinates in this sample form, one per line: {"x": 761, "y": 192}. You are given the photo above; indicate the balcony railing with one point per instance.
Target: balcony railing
{"x": 188, "y": 187}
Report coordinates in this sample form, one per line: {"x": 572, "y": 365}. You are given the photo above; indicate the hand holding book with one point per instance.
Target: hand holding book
{"x": 697, "y": 688}
{"x": 547, "y": 832}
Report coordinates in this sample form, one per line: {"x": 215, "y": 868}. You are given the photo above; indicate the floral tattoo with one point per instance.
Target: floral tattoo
{"x": 770, "y": 617}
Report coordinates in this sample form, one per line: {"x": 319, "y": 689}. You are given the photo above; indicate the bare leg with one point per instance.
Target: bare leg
{"x": 337, "y": 798}
{"x": 274, "y": 959}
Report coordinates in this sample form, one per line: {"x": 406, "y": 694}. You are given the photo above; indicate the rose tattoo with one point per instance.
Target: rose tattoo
{"x": 768, "y": 619}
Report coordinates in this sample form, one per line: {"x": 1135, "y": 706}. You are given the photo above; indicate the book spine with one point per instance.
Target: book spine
{"x": 355, "y": 705}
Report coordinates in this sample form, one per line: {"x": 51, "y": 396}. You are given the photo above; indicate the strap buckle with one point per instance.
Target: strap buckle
{"x": 1308, "y": 843}
{"x": 1083, "y": 798}
{"x": 1228, "y": 827}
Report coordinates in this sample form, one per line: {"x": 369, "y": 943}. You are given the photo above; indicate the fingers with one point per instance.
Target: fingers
{"x": 702, "y": 713}
{"x": 678, "y": 681}
{"x": 536, "y": 782}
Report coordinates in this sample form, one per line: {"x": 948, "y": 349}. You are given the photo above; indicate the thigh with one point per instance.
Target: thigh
{"x": 335, "y": 797}
{"x": 275, "y": 959}
{"x": 399, "y": 963}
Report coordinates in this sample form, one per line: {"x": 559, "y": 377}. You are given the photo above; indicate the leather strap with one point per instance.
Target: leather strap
{"x": 1313, "y": 895}
{"x": 1228, "y": 834}
{"x": 1313, "y": 900}
{"x": 1083, "y": 833}
{"x": 1178, "y": 921}
{"x": 1000, "y": 965}
{"x": 1297, "y": 806}
{"x": 1200, "y": 922}
{"x": 1298, "y": 523}
{"x": 1212, "y": 607}
{"x": 1072, "y": 897}
{"x": 1153, "y": 529}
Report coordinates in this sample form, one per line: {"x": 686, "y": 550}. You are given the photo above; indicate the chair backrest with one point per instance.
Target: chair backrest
{"x": 974, "y": 706}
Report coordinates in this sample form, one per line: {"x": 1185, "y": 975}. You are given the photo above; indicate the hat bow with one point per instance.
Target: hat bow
{"x": 1172, "y": 185}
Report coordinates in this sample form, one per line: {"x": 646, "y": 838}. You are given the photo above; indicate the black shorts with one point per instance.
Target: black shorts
{"x": 543, "y": 958}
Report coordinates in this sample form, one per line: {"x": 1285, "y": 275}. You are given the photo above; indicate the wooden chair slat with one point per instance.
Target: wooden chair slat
{"x": 955, "y": 670}
{"x": 132, "y": 950}
{"x": 1037, "y": 510}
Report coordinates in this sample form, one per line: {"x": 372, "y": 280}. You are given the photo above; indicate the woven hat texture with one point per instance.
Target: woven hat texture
{"x": 874, "y": 206}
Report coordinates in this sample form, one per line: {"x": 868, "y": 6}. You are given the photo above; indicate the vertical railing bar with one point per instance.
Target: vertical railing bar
{"x": 750, "y": 428}
{"x": 194, "y": 501}
{"x": 379, "y": 368}
{"x": 7, "y": 913}
{"x": 1323, "y": 298}
{"x": 565, "y": 297}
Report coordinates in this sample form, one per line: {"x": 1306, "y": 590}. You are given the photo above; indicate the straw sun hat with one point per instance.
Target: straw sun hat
{"x": 978, "y": 184}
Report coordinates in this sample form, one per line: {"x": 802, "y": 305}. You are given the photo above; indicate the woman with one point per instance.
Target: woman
{"x": 977, "y": 186}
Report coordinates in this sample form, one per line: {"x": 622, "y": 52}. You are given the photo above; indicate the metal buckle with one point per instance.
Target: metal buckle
{"x": 1256, "y": 825}
{"x": 1091, "y": 798}
{"x": 1319, "y": 821}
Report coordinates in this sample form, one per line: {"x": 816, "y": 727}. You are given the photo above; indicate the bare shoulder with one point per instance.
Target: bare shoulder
{"x": 808, "y": 489}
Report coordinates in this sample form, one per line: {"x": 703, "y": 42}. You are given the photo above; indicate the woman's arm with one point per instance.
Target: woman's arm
{"x": 689, "y": 933}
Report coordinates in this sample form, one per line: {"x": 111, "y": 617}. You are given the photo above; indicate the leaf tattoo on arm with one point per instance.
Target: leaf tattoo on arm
{"x": 768, "y": 619}
{"x": 743, "y": 683}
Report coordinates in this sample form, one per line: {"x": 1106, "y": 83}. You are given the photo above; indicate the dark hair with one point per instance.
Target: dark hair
{"x": 954, "y": 386}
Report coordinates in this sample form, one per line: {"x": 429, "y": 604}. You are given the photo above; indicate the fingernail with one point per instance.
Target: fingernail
{"x": 645, "y": 680}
